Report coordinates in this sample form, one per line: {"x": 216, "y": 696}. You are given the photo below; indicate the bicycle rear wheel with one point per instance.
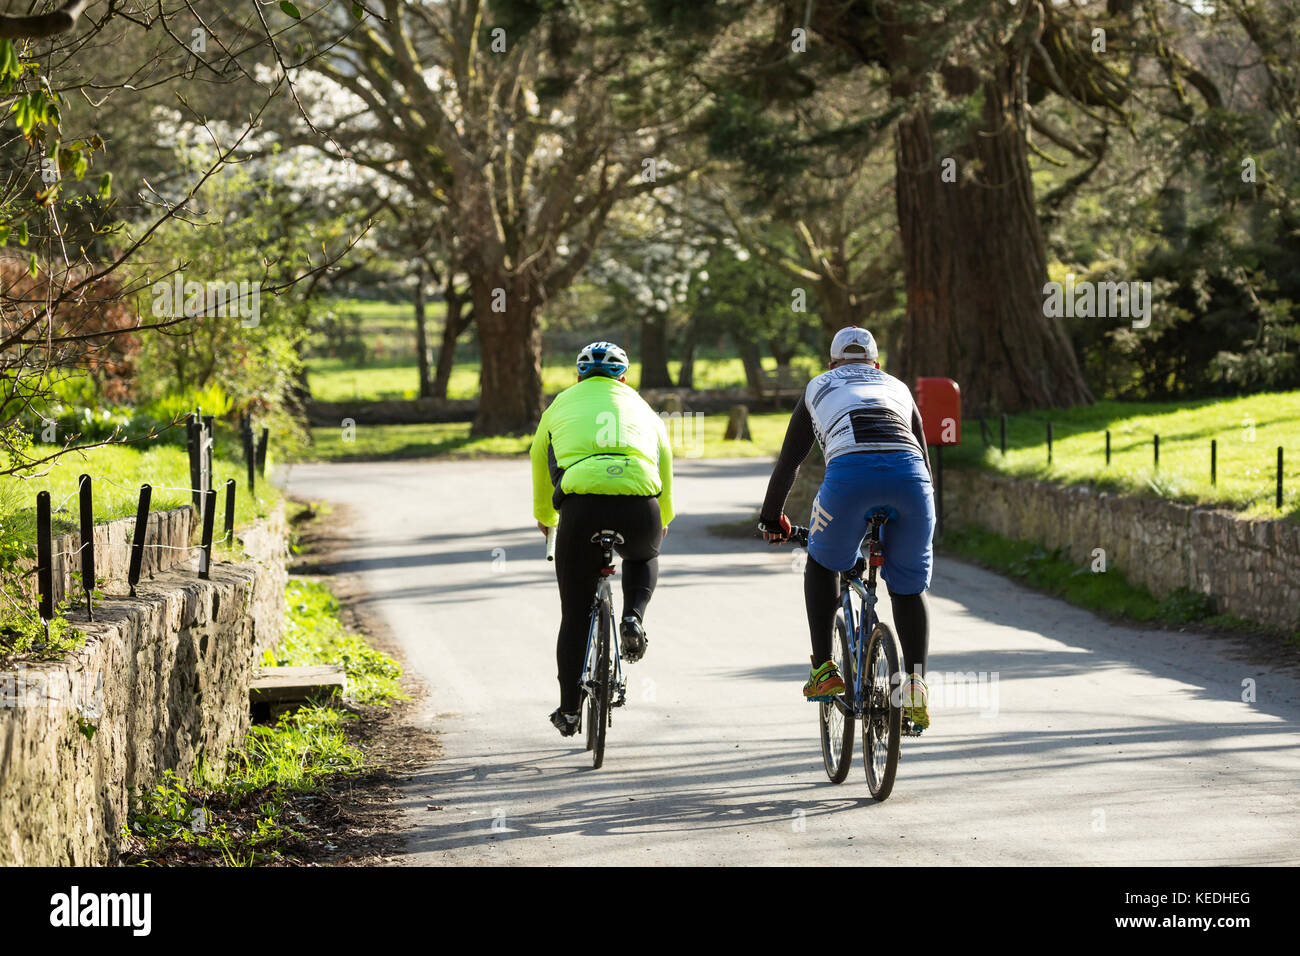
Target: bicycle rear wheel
{"x": 836, "y": 716}
{"x": 882, "y": 716}
{"x": 589, "y": 716}
{"x": 598, "y": 702}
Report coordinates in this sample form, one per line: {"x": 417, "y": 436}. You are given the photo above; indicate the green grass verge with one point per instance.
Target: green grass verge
{"x": 313, "y": 634}
{"x": 252, "y": 813}
{"x": 247, "y": 818}
{"x": 1248, "y": 431}
{"x": 453, "y": 440}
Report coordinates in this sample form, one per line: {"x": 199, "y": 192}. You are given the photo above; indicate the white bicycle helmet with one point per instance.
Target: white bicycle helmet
{"x": 602, "y": 358}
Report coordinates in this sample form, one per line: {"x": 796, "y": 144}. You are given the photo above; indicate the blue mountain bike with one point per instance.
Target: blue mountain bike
{"x": 870, "y": 661}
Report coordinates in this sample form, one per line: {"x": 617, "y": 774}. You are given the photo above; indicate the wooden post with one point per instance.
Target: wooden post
{"x": 1004, "y": 435}
{"x": 1049, "y": 443}
{"x": 1214, "y": 461}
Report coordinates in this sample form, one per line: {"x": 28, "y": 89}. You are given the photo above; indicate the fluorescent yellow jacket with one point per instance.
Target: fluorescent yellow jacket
{"x": 599, "y": 437}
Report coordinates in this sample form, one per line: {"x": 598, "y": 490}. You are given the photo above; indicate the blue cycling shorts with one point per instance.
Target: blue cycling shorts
{"x": 855, "y": 486}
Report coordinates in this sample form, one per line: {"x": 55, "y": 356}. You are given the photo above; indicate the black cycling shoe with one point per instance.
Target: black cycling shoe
{"x": 566, "y": 724}
{"x": 634, "y": 639}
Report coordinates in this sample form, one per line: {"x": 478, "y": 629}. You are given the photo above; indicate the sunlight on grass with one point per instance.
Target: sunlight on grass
{"x": 1248, "y": 431}
{"x": 333, "y": 380}
{"x": 118, "y": 471}
{"x": 452, "y": 440}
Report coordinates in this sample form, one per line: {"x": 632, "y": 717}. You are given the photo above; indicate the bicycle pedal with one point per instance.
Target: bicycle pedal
{"x": 820, "y": 700}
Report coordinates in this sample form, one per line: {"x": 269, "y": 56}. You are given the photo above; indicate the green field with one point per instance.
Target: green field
{"x": 691, "y": 438}
{"x": 332, "y": 380}
{"x": 117, "y": 473}
{"x": 1248, "y": 431}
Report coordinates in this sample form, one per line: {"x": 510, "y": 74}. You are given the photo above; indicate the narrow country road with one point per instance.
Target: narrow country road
{"x": 1079, "y": 742}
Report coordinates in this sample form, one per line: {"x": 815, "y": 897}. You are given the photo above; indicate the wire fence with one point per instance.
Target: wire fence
{"x": 1051, "y": 432}
{"x": 203, "y": 496}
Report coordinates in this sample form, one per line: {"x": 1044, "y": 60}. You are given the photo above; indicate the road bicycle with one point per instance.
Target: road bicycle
{"x": 870, "y": 662}
{"x": 602, "y": 682}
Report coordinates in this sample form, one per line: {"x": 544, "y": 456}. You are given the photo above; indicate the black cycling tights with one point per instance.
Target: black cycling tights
{"x": 577, "y": 568}
{"x": 821, "y": 596}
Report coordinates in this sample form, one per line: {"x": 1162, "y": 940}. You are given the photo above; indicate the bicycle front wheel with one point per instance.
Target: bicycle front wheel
{"x": 598, "y": 705}
{"x": 882, "y": 714}
{"x": 836, "y": 716}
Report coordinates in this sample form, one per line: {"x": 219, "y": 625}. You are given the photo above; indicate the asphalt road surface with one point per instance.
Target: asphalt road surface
{"x": 1057, "y": 738}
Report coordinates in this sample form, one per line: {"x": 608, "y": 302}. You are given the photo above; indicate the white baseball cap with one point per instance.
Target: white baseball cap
{"x": 853, "y": 343}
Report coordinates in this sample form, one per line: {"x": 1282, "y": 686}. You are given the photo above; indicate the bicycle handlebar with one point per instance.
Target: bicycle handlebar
{"x": 798, "y": 534}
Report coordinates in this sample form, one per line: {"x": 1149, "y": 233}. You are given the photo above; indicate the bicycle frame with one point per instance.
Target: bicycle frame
{"x": 860, "y": 631}
{"x": 603, "y": 604}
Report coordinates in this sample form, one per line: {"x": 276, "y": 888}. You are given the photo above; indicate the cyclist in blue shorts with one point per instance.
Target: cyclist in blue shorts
{"x": 871, "y": 436}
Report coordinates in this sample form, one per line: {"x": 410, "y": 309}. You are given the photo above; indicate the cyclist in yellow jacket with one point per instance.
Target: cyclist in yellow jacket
{"x": 602, "y": 460}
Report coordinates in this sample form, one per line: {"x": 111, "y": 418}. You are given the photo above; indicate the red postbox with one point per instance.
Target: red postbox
{"x": 939, "y": 400}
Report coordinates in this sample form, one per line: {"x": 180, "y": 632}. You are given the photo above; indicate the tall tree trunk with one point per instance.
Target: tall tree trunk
{"x": 422, "y": 335}
{"x": 654, "y": 351}
{"x": 751, "y": 357}
{"x": 975, "y": 266}
{"x": 686, "y": 377}
{"x": 457, "y": 322}
{"x": 510, "y": 393}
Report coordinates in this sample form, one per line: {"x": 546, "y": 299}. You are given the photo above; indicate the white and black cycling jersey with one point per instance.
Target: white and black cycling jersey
{"x": 857, "y": 407}
{"x": 852, "y": 408}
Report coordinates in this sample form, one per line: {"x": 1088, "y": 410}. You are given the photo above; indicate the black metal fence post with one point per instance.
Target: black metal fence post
{"x": 209, "y": 424}
{"x": 192, "y": 446}
{"x": 1004, "y": 436}
{"x": 87, "y": 549}
{"x": 229, "y": 534}
{"x": 1279, "y": 477}
{"x": 1214, "y": 461}
{"x": 1157, "y": 452}
{"x": 1108, "y": 447}
{"x": 249, "y": 455}
{"x": 44, "y": 559}
{"x": 261, "y": 452}
{"x": 1049, "y": 443}
{"x": 138, "y": 539}
{"x": 209, "y": 514}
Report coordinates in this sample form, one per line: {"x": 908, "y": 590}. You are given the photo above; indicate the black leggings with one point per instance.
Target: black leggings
{"x": 577, "y": 568}
{"x": 821, "y": 592}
